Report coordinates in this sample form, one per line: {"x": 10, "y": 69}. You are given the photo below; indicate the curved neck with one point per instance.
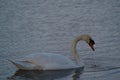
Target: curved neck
{"x": 73, "y": 48}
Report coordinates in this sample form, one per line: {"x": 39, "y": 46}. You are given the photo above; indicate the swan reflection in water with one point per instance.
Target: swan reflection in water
{"x": 46, "y": 75}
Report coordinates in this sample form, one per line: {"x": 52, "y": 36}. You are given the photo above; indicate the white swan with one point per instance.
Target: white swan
{"x": 51, "y": 61}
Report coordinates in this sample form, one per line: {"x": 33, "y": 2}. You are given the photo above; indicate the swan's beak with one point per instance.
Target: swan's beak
{"x": 92, "y": 46}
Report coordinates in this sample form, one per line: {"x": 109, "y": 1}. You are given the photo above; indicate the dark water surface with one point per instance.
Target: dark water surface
{"x": 28, "y": 26}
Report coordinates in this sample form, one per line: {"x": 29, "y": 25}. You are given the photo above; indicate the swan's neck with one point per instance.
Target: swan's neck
{"x": 73, "y": 48}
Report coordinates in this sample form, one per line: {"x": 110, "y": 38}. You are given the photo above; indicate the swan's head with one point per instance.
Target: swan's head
{"x": 91, "y": 43}
{"x": 88, "y": 39}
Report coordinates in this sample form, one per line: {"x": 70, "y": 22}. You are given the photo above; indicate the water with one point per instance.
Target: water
{"x": 28, "y": 26}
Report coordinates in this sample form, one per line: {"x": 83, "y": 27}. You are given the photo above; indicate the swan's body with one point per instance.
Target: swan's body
{"x": 52, "y": 61}
{"x": 45, "y": 61}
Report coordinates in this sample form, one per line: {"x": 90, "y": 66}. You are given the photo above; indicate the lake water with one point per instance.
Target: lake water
{"x": 28, "y": 26}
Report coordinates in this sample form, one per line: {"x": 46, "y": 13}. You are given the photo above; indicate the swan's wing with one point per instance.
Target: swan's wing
{"x": 51, "y": 61}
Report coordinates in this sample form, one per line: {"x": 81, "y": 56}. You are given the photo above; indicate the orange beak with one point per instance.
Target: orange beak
{"x": 92, "y": 47}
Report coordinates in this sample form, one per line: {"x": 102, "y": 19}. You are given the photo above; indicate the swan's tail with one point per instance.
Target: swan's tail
{"x": 16, "y": 64}
{"x": 24, "y": 65}
{"x": 11, "y": 61}
{"x": 20, "y": 65}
